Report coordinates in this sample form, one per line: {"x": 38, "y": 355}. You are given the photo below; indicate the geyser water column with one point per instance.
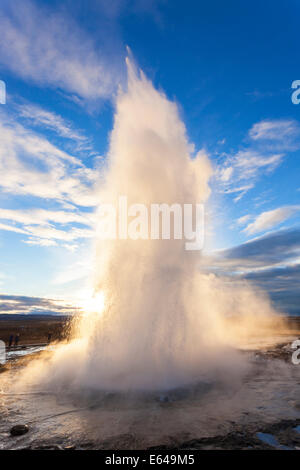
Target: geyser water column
{"x": 163, "y": 323}
{"x": 154, "y": 331}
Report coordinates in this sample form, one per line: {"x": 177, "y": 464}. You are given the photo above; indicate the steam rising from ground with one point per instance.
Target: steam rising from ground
{"x": 164, "y": 323}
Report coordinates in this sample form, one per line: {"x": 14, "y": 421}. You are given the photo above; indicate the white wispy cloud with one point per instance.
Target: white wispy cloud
{"x": 11, "y": 228}
{"x": 37, "y": 224}
{"x": 269, "y": 219}
{"x": 47, "y": 119}
{"x": 31, "y": 165}
{"x": 242, "y": 220}
{"x": 40, "y": 241}
{"x": 39, "y": 233}
{"x": 44, "y": 217}
{"x": 49, "y": 48}
{"x": 240, "y": 171}
{"x": 248, "y": 163}
{"x": 226, "y": 173}
{"x": 277, "y": 130}
{"x": 268, "y": 144}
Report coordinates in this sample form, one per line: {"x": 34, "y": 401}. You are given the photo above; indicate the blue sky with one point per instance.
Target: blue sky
{"x": 228, "y": 65}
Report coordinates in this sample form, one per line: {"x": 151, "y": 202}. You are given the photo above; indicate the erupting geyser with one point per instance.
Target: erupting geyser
{"x": 163, "y": 322}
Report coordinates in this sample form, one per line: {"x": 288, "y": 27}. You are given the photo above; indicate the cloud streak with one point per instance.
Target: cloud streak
{"x": 281, "y": 247}
{"x": 15, "y": 304}
{"x": 49, "y": 49}
{"x": 270, "y": 262}
{"x": 269, "y": 219}
{"x": 278, "y": 130}
{"x": 31, "y": 165}
{"x": 269, "y": 142}
{"x": 46, "y": 119}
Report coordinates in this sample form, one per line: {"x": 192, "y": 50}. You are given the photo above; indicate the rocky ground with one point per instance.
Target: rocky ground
{"x": 260, "y": 412}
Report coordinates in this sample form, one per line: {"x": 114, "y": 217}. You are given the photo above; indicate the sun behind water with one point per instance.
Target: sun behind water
{"x": 94, "y": 303}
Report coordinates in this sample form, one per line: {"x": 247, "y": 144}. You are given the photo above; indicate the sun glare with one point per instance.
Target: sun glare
{"x": 94, "y": 304}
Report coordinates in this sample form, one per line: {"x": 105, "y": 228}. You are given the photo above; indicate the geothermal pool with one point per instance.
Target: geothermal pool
{"x": 265, "y": 401}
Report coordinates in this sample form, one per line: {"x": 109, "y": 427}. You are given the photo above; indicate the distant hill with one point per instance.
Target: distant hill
{"x": 32, "y": 316}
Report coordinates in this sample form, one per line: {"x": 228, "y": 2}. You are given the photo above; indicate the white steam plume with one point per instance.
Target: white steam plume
{"x": 164, "y": 324}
